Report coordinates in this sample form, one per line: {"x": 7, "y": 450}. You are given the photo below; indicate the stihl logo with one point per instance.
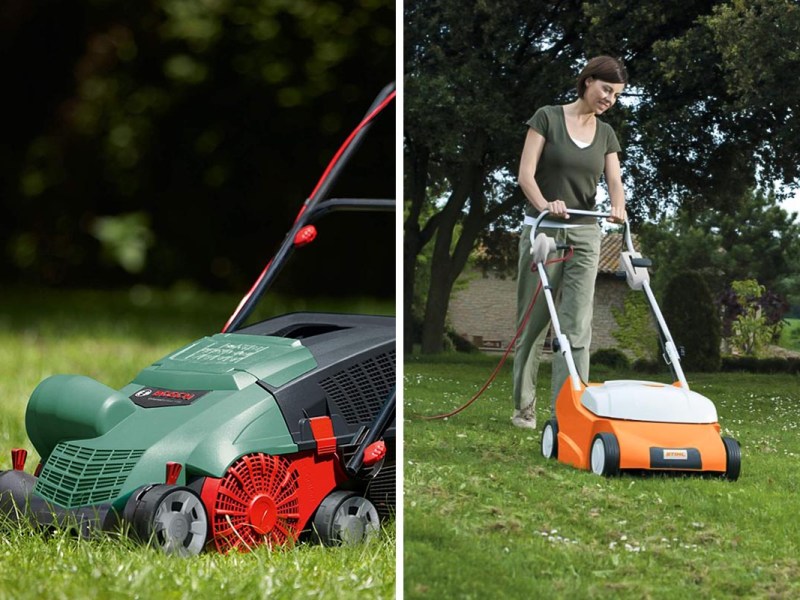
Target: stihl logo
{"x": 672, "y": 454}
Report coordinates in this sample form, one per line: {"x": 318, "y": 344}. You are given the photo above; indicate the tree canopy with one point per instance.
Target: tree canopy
{"x": 698, "y": 124}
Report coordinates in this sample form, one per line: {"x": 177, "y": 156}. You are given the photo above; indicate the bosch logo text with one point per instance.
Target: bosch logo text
{"x": 155, "y": 397}
{"x": 173, "y": 395}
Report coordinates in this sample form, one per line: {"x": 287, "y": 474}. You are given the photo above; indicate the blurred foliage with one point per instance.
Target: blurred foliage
{"x": 125, "y": 239}
{"x": 214, "y": 118}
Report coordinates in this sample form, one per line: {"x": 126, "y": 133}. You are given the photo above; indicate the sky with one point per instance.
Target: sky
{"x": 793, "y": 205}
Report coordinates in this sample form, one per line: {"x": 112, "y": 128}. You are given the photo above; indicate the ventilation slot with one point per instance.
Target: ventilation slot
{"x": 75, "y": 476}
{"x": 358, "y": 392}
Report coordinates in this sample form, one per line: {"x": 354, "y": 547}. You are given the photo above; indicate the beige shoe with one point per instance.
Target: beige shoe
{"x": 525, "y": 417}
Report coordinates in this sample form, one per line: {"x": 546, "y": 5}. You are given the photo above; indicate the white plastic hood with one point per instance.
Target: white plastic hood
{"x": 648, "y": 401}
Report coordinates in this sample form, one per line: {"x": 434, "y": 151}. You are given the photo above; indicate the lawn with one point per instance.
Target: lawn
{"x": 487, "y": 516}
{"x": 110, "y": 337}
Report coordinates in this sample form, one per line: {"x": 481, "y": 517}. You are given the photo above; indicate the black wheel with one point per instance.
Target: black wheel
{"x": 733, "y": 455}
{"x": 169, "y": 517}
{"x": 550, "y": 439}
{"x": 605, "y": 455}
{"x": 345, "y": 518}
{"x": 16, "y": 488}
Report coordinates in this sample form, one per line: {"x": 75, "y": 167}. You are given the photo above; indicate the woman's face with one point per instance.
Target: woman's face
{"x": 601, "y": 95}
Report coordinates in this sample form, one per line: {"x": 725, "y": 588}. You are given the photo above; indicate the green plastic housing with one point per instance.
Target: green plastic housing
{"x": 104, "y": 446}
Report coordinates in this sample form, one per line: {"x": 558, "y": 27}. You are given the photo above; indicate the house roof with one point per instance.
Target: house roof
{"x": 610, "y": 247}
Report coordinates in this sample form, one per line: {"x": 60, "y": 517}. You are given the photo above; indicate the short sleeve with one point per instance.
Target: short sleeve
{"x": 539, "y": 122}
{"x": 612, "y": 144}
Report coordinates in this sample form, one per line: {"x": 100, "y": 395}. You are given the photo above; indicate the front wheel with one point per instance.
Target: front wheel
{"x": 169, "y": 517}
{"x": 605, "y": 455}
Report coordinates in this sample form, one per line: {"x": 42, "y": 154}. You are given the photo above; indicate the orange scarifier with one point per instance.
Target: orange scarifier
{"x": 631, "y": 425}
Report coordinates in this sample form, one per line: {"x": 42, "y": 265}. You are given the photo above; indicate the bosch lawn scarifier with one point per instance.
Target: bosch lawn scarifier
{"x": 631, "y": 425}
{"x": 251, "y": 436}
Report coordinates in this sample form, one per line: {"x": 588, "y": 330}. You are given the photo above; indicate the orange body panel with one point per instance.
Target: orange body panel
{"x": 577, "y": 427}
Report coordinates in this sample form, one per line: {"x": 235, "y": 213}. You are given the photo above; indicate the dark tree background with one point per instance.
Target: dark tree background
{"x": 174, "y": 140}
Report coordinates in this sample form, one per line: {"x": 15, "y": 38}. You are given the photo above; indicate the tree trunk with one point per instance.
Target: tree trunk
{"x": 445, "y": 267}
{"x": 409, "y": 271}
{"x": 415, "y": 237}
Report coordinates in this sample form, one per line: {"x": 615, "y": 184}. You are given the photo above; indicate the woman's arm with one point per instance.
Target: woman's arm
{"x": 615, "y": 190}
{"x": 531, "y": 152}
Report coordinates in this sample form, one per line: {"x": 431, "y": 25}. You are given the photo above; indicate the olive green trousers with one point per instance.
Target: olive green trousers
{"x": 572, "y": 283}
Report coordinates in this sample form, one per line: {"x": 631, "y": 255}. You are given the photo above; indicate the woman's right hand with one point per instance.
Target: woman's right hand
{"x": 557, "y": 209}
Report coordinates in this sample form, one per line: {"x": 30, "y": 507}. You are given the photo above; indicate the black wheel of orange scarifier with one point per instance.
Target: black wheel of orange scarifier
{"x": 604, "y": 455}
{"x": 733, "y": 455}
{"x": 550, "y": 439}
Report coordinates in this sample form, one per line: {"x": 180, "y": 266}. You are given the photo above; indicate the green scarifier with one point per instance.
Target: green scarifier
{"x": 263, "y": 434}
{"x": 104, "y": 436}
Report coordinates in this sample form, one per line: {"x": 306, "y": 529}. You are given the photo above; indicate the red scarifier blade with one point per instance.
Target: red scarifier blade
{"x": 257, "y": 503}
{"x": 18, "y": 458}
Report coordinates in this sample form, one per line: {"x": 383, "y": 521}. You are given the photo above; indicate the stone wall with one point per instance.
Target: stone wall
{"x": 483, "y": 311}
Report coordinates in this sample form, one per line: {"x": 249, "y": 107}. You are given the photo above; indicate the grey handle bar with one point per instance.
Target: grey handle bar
{"x": 584, "y": 213}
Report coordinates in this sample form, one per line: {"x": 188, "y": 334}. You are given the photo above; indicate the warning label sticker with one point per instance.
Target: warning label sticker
{"x": 222, "y": 353}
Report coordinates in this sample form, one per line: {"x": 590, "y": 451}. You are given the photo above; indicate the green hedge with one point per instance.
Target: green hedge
{"x": 730, "y": 364}
{"x": 751, "y": 364}
{"x": 692, "y": 316}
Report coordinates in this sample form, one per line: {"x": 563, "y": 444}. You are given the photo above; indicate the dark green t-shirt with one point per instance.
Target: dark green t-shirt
{"x": 566, "y": 171}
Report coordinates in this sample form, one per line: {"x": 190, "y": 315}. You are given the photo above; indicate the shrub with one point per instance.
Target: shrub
{"x": 751, "y": 329}
{"x": 610, "y": 357}
{"x": 747, "y": 302}
{"x": 636, "y": 331}
{"x": 694, "y": 323}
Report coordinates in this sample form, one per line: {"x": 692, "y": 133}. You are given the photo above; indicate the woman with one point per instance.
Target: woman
{"x": 566, "y": 150}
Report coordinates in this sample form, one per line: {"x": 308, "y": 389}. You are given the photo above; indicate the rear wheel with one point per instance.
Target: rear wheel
{"x": 550, "y": 439}
{"x": 605, "y": 455}
{"x": 345, "y": 518}
{"x": 733, "y": 455}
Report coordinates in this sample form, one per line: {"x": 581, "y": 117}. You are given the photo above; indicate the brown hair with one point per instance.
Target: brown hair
{"x": 605, "y": 68}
